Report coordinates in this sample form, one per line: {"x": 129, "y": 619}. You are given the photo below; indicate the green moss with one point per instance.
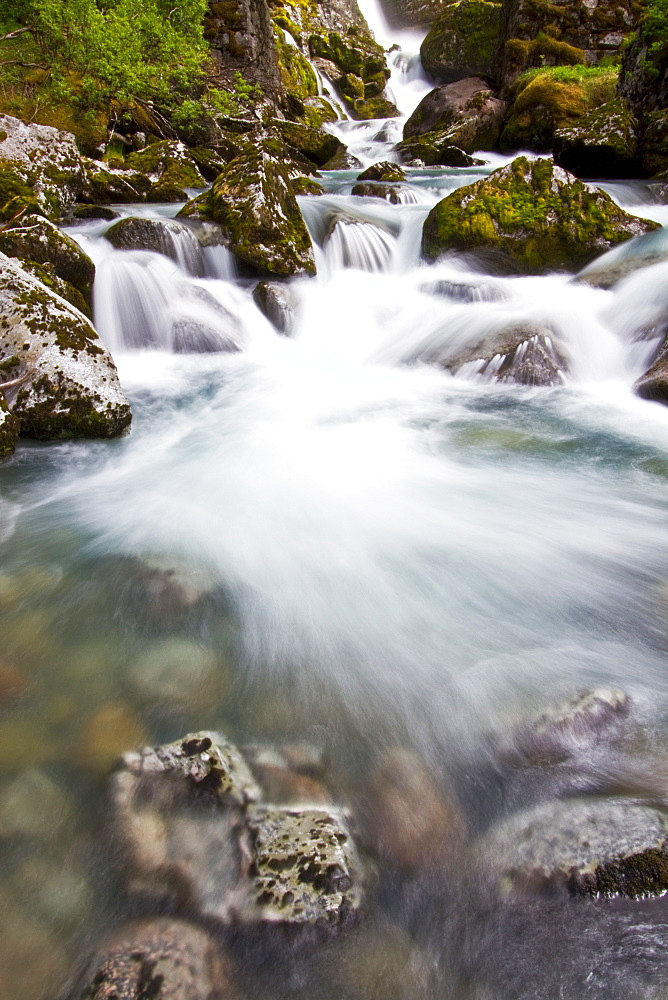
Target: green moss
{"x": 297, "y": 74}
{"x": 383, "y": 171}
{"x": 358, "y": 54}
{"x": 35, "y": 239}
{"x": 313, "y": 143}
{"x": 375, "y": 107}
{"x": 540, "y": 225}
{"x": 47, "y": 275}
{"x": 462, "y": 41}
{"x": 65, "y": 412}
{"x": 317, "y": 111}
{"x": 15, "y": 195}
{"x": 306, "y": 185}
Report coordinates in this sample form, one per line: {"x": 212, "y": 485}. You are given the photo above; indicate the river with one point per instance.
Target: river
{"x": 374, "y": 551}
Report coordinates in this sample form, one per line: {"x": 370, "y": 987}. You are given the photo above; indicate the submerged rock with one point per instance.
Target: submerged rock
{"x": 40, "y": 168}
{"x": 161, "y": 959}
{"x": 603, "y": 143}
{"x": 462, "y": 40}
{"x": 177, "y": 674}
{"x": 190, "y": 834}
{"x": 389, "y": 192}
{"x": 68, "y": 385}
{"x": 535, "y": 214}
{"x": 526, "y": 355}
{"x": 277, "y": 301}
{"x": 587, "y": 847}
{"x": 653, "y": 384}
{"x": 253, "y": 201}
{"x": 410, "y": 820}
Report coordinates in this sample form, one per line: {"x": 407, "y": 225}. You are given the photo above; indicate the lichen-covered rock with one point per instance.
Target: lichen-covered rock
{"x": 166, "y": 163}
{"x": 210, "y": 162}
{"x": 166, "y": 236}
{"x": 588, "y": 847}
{"x": 541, "y": 103}
{"x": 190, "y": 834}
{"x": 47, "y": 275}
{"x": 462, "y": 41}
{"x": 9, "y": 428}
{"x": 253, "y": 201}
{"x": 343, "y": 160}
{"x": 45, "y": 161}
{"x": 161, "y": 958}
{"x": 71, "y": 387}
{"x": 306, "y": 185}
{"x": 525, "y": 355}
{"x": 297, "y": 74}
{"x": 104, "y": 185}
{"x": 535, "y": 214}
{"x": 455, "y": 103}
{"x": 84, "y": 211}
{"x": 37, "y": 239}
{"x": 304, "y": 870}
{"x": 382, "y": 171}
{"x": 603, "y": 143}
{"x": 374, "y": 107}
{"x": 277, "y": 302}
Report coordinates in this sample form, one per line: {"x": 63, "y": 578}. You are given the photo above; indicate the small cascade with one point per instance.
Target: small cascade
{"x": 359, "y": 245}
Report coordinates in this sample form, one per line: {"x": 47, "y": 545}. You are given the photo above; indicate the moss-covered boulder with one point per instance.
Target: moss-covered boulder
{"x": 297, "y": 75}
{"x": 69, "y": 386}
{"x": 9, "y": 426}
{"x": 47, "y": 275}
{"x": 439, "y": 148}
{"x": 603, "y": 143}
{"x": 45, "y": 165}
{"x": 306, "y": 185}
{"x": 313, "y": 143}
{"x": 462, "y": 41}
{"x": 543, "y": 101}
{"x": 453, "y": 103}
{"x": 254, "y": 203}
{"x": 318, "y": 111}
{"x": 105, "y": 186}
{"x": 85, "y": 212}
{"x": 536, "y": 216}
{"x": 343, "y": 160}
{"x": 167, "y": 165}
{"x": 382, "y": 171}
{"x": 36, "y": 239}
{"x": 374, "y": 107}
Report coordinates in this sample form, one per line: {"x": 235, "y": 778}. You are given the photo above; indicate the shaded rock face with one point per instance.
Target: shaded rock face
{"x": 412, "y": 13}
{"x": 389, "y": 192}
{"x": 601, "y": 144}
{"x": 190, "y": 833}
{"x": 537, "y": 214}
{"x": 241, "y": 36}
{"x": 382, "y": 171}
{"x": 434, "y": 148}
{"x": 253, "y": 201}
{"x": 165, "y": 236}
{"x": 356, "y": 64}
{"x": 643, "y": 80}
{"x": 525, "y": 355}
{"x": 560, "y": 32}
{"x": 36, "y": 239}
{"x": 653, "y": 384}
{"x": 44, "y": 161}
{"x": 582, "y": 847}
{"x": 9, "y": 429}
{"x": 69, "y": 386}
{"x": 452, "y": 104}
{"x": 277, "y": 302}
{"x": 164, "y": 959}
{"x": 462, "y": 41}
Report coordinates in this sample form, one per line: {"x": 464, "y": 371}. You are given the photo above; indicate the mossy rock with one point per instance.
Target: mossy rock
{"x": 357, "y": 54}
{"x": 209, "y": 162}
{"x": 545, "y": 101}
{"x": 603, "y": 143}
{"x": 382, "y": 171}
{"x": 343, "y": 160}
{"x": 254, "y": 203}
{"x": 168, "y": 163}
{"x": 44, "y": 160}
{"x": 374, "y": 107}
{"x": 164, "y": 236}
{"x": 9, "y": 429}
{"x": 654, "y": 142}
{"x": 438, "y": 148}
{"x": 16, "y": 197}
{"x": 314, "y": 143}
{"x": 317, "y": 111}
{"x": 350, "y": 86}
{"x": 462, "y": 41}
{"x": 70, "y": 387}
{"x": 103, "y": 186}
{"x": 36, "y": 239}
{"x": 542, "y": 50}
{"x": 47, "y": 275}
{"x": 306, "y": 185}
{"x": 93, "y": 212}
{"x": 297, "y": 75}
{"x": 534, "y": 215}
{"x": 166, "y": 194}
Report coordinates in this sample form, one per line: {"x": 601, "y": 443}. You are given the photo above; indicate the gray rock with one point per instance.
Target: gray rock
{"x": 161, "y": 959}
{"x": 653, "y": 384}
{"x": 277, "y": 302}
{"x": 592, "y": 847}
{"x": 38, "y": 240}
{"x": 343, "y": 160}
{"x": 165, "y": 236}
{"x": 9, "y": 429}
{"x": 470, "y": 100}
{"x": 69, "y": 386}
{"x": 105, "y": 185}
{"x": 46, "y": 159}
{"x": 526, "y": 355}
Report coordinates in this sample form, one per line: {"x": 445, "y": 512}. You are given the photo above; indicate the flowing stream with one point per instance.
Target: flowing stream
{"x": 362, "y": 549}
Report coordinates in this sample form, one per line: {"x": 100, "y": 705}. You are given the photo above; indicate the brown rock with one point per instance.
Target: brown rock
{"x": 410, "y": 819}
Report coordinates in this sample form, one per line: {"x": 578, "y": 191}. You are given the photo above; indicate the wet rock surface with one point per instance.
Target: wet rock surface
{"x": 165, "y": 236}
{"x": 277, "y": 302}
{"x": 528, "y": 355}
{"x": 537, "y": 214}
{"x": 469, "y": 101}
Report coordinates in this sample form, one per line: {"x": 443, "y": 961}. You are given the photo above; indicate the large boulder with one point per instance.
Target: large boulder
{"x": 582, "y": 847}
{"x": 107, "y": 185}
{"x": 545, "y": 100}
{"x": 167, "y": 164}
{"x": 44, "y": 162}
{"x": 67, "y": 382}
{"x": 254, "y": 203}
{"x": 536, "y": 216}
{"x": 36, "y": 239}
{"x": 562, "y": 32}
{"x": 462, "y": 41}
{"x": 467, "y": 101}
{"x": 165, "y": 236}
{"x": 603, "y": 143}
{"x": 654, "y": 142}
{"x": 382, "y": 171}
{"x": 190, "y": 833}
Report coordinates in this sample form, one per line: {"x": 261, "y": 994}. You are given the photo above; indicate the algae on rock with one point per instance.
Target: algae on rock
{"x": 535, "y": 215}
{"x": 462, "y": 41}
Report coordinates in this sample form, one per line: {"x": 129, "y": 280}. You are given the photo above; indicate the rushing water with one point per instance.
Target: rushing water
{"x": 366, "y": 551}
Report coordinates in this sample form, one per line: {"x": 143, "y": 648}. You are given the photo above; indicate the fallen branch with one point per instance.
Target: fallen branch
{"x": 16, "y": 381}
{"x": 14, "y": 34}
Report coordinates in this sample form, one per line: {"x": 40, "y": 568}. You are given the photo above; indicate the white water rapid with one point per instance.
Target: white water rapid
{"x": 376, "y": 543}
